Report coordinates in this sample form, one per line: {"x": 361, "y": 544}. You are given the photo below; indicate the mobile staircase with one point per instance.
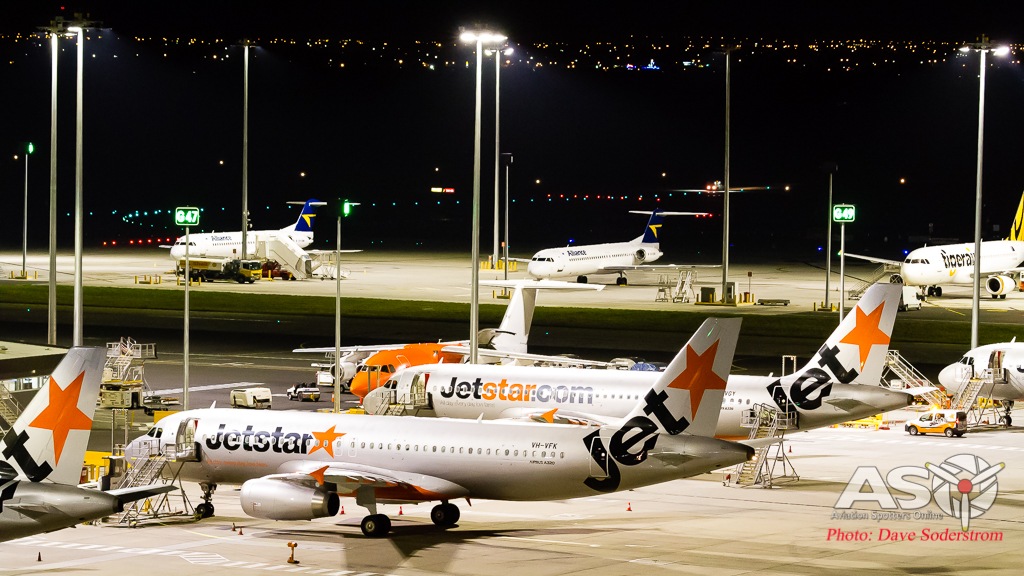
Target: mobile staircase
{"x": 765, "y": 423}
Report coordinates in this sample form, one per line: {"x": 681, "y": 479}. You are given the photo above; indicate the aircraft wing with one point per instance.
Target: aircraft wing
{"x": 615, "y": 269}
{"x": 367, "y": 348}
{"x": 557, "y": 416}
{"x": 125, "y": 495}
{"x": 348, "y": 478}
{"x": 544, "y": 284}
{"x": 331, "y": 251}
{"x": 525, "y": 356}
{"x": 874, "y": 259}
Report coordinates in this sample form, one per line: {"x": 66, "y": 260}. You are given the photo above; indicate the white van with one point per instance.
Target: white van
{"x": 251, "y": 398}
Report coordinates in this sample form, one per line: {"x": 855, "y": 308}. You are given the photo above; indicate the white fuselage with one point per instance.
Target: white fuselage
{"x": 574, "y": 261}
{"x": 229, "y": 244}
{"x": 1001, "y": 365}
{"x": 452, "y": 458}
{"x": 501, "y": 392}
{"x": 954, "y": 263}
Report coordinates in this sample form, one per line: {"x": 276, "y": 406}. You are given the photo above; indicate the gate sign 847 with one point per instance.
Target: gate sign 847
{"x": 186, "y": 216}
{"x": 844, "y": 213}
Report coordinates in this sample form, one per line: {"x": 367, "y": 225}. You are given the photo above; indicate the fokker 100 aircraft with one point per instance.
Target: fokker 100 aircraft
{"x": 839, "y": 384}
{"x": 229, "y": 244}
{"x": 932, "y": 267}
{"x": 612, "y": 258}
{"x": 44, "y": 450}
{"x": 294, "y": 465}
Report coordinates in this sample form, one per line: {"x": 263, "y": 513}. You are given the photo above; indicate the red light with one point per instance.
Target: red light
{"x": 113, "y": 242}
{"x": 131, "y": 241}
{"x": 150, "y": 241}
{"x": 104, "y": 242}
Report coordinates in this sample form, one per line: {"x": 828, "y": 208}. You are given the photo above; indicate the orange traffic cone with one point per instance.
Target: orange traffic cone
{"x": 240, "y": 531}
{"x": 342, "y": 511}
{"x": 233, "y": 528}
{"x": 399, "y": 510}
{"x": 39, "y": 557}
{"x": 629, "y": 506}
{"x": 790, "y": 448}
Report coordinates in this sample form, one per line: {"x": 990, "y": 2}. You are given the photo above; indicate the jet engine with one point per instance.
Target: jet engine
{"x": 641, "y": 254}
{"x": 1000, "y": 285}
{"x": 273, "y": 499}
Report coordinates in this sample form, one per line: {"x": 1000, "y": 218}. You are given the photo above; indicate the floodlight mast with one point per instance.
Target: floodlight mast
{"x": 480, "y": 38}
{"x": 983, "y": 47}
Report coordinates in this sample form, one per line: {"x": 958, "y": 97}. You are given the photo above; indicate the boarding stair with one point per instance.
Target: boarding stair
{"x": 679, "y": 290}
{"x": 861, "y": 286}
{"x": 286, "y": 252}
{"x": 910, "y": 377}
{"x": 158, "y": 468}
{"x": 9, "y": 409}
{"x": 765, "y": 423}
{"x": 971, "y": 397}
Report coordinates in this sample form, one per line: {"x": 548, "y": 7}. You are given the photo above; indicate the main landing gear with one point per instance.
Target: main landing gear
{"x": 205, "y": 509}
{"x": 378, "y": 525}
{"x": 621, "y": 280}
{"x": 1006, "y": 419}
{"x": 935, "y": 291}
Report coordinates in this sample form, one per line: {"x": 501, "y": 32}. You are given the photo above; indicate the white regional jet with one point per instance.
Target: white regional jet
{"x": 839, "y": 384}
{"x": 44, "y": 450}
{"x": 294, "y": 465}
{"x": 1000, "y": 365}
{"x": 611, "y": 258}
{"x": 931, "y": 267}
{"x": 229, "y": 244}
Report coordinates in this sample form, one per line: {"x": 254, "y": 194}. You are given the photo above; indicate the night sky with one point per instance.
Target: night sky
{"x": 163, "y": 123}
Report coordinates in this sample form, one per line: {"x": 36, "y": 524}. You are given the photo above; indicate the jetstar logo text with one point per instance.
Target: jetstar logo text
{"x": 480, "y": 390}
{"x": 621, "y": 446}
{"x": 260, "y": 441}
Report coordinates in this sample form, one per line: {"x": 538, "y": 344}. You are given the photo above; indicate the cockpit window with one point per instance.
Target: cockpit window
{"x": 155, "y": 432}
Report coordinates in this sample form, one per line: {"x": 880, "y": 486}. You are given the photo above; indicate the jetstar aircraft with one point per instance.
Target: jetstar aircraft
{"x": 294, "y": 465}
{"x": 1001, "y": 370}
{"x": 368, "y": 367}
{"x": 840, "y": 383}
{"x": 612, "y": 258}
{"x": 44, "y": 450}
{"x": 229, "y": 244}
{"x": 932, "y": 267}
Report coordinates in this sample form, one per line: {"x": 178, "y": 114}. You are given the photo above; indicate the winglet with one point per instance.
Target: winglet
{"x": 549, "y": 416}
{"x": 318, "y": 474}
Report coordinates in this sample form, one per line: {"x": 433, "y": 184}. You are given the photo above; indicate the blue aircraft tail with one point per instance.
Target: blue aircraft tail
{"x": 653, "y": 225}
{"x": 307, "y": 215}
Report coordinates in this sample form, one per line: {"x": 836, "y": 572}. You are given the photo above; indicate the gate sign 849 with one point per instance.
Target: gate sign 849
{"x": 844, "y": 213}
{"x": 186, "y": 216}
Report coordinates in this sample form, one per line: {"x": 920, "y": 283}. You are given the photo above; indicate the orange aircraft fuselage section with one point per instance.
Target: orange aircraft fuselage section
{"x": 378, "y": 368}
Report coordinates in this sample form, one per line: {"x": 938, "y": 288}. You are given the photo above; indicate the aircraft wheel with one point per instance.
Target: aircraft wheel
{"x": 938, "y": 291}
{"x": 581, "y": 279}
{"x": 912, "y": 430}
{"x": 375, "y": 525}
{"x": 621, "y": 281}
{"x": 445, "y": 514}
{"x": 949, "y": 432}
{"x": 1006, "y": 421}
{"x": 204, "y": 510}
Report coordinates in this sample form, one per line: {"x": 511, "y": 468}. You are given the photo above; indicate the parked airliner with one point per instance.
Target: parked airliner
{"x": 43, "y": 453}
{"x": 612, "y": 258}
{"x": 932, "y": 267}
{"x": 294, "y": 465}
{"x": 839, "y": 384}
{"x": 1001, "y": 368}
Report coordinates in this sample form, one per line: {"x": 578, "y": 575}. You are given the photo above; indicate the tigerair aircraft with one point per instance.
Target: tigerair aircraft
{"x": 839, "y": 384}
{"x": 367, "y": 367}
{"x": 933, "y": 267}
{"x": 296, "y": 465}
{"x": 44, "y": 450}
{"x": 612, "y": 258}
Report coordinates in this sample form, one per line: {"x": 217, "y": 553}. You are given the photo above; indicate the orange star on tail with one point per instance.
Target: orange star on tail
{"x": 866, "y": 332}
{"x": 325, "y": 440}
{"x": 699, "y": 376}
{"x": 62, "y": 415}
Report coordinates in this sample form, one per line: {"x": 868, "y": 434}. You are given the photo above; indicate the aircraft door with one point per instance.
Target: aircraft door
{"x": 995, "y": 365}
{"x": 560, "y": 261}
{"x": 599, "y": 457}
{"x": 186, "y": 448}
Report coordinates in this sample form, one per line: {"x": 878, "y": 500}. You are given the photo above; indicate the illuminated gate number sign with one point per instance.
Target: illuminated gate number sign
{"x": 844, "y": 213}
{"x": 186, "y": 216}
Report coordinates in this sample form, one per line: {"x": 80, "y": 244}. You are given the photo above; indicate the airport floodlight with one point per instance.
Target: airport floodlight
{"x": 483, "y": 37}
{"x": 74, "y": 29}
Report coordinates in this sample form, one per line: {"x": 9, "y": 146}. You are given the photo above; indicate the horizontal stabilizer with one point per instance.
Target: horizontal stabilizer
{"x": 125, "y": 495}
{"x": 541, "y": 284}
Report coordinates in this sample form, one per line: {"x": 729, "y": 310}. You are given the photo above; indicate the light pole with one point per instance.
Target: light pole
{"x": 497, "y": 141}
{"x": 344, "y": 210}
{"x": 725, "y": 209}
{"x": 24, "y": 224}
{"x": 56, "y": 28}
{"x": 78, "y": 320}
{"x": 982, "y": 47}
{"x": 507, "y": 196}
{"x": 245, "y": 147}
{"x": 480, "y": 38}
{"x": 832, "y": 168}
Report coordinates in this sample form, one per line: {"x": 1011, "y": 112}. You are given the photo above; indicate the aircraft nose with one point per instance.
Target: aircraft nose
{"x": 535, "y": 269}
{"x": 949, "y": 378}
